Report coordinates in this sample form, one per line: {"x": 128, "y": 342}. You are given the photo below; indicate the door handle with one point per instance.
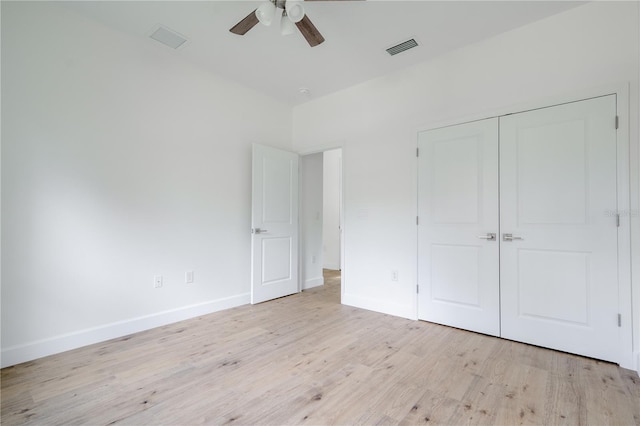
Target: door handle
{"x": 491, "y": 236}
{"x": 511, "y": 237}
{"x": 258, "y": 231}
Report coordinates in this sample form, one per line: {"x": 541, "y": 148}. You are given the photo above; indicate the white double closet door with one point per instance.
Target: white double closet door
{"x": 516, "y": 236}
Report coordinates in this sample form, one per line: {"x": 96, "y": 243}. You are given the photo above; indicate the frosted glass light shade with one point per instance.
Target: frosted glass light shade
{"x": 286, "y": 25}
{"x": 265, "y": 13}
{"x": 295, "y": 10}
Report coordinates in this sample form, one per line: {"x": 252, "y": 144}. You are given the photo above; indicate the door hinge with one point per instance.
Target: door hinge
{"x": 618, "y": 220}
{"x": 417, "y": 220}
{"x": 617, "y": 122}
{"x": 619, "y": 320}
{"x": 417, "y": 152}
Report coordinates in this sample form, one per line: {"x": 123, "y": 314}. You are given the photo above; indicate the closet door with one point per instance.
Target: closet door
{"x": 458, "y": 261}
{"x": 558, "y": 262}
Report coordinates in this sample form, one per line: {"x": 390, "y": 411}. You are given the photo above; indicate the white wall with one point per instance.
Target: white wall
{"x": 311, "y": 220}
{"x": 331, "y": 208}
{"x": 377, "y": 123}
{"x": 119, "y": 162}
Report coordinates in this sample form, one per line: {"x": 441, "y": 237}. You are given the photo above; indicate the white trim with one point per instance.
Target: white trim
{"x": 300, "y": 230}
{"x": 321, "y": 148}
{"x": 625, "y": 301}
{"x": 331, "y": 266}
{"x": 65, "y": 342}
{"x": 377, "y": 305}
{"x": 574, "y": 96}
{"x": 628, "y": 358}
{"x": 313, "y": 282}
{"x": 343, "y": 226}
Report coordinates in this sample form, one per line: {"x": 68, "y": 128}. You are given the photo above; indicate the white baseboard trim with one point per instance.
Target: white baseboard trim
{"x": 381, "y": 306}
{"x": 41, "y": 348}
{"x": 312, "y": 282}
{"x": 332, "y": 266}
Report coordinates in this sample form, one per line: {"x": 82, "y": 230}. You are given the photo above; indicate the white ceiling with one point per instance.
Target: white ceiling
{"x": 356, "y": 32}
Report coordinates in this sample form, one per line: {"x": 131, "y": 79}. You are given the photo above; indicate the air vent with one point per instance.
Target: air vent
{"x": 168, "y": 37}
{"x": 398, "y": 48}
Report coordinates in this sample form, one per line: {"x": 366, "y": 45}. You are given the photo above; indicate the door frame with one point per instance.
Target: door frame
{"x": 626, "y": 300}
{"x": 320, "y": 150}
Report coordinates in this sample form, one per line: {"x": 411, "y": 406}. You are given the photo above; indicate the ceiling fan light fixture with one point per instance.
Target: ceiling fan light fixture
{"x": 286, "y": 25}
{"x": 295, "y": 10}
{"x": 292, "y": 10}
{"x": 265, "y": 13}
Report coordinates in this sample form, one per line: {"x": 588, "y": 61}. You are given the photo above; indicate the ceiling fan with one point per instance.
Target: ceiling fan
{"x": 292, "y": 16}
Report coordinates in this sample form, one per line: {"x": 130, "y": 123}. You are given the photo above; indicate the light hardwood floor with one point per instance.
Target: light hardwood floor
{"x": 306, "y": 359}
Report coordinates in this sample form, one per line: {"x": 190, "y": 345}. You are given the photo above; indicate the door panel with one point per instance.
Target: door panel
{"x": 457, "y": 205}
{"x": 552, "y": 285}
{"x": 277, "y": 181}
{"x": 276, "y": 260}
{"x": 450, "y": 282}
{"x": 559, "y": 284}
{"x": 552, "y": 156}
{"x": 455, "y": 183}
{"x": 274, "y": 217}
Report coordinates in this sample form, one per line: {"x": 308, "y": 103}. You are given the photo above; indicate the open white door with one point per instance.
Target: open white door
{"x": 458, "y": 250}
{"x": 274, "y": 224}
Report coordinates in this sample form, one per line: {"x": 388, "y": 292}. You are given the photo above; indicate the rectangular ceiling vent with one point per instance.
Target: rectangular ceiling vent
{"x": 399, "y": 48}
{"x": 168, "y": 37}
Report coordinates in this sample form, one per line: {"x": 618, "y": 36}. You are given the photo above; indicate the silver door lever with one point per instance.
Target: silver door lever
{"x": 258, "y": 231}
{"x": 491, "y": 236}
{"x": 511, "y": 237}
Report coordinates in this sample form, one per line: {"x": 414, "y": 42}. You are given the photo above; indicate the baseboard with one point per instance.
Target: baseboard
{"x": 38, "y": 349}
{"x": 312, "y": 282}
{"x": 381, "y": 306}
{"x": 332, "y": 266}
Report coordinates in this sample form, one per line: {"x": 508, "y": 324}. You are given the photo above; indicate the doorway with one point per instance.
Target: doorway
{"x": 321, "y": 219}
{"x": 332, "y": 287}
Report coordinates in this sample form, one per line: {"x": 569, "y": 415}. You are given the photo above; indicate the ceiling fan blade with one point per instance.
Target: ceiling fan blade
{"x": 246, "y": 24}
{"x": 309, "y": 31}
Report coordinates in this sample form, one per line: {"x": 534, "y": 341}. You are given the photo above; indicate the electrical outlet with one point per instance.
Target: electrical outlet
{"x": 188, "y": 277}
{"x": 394, "y": 275}
{"x": 157, "y": 281}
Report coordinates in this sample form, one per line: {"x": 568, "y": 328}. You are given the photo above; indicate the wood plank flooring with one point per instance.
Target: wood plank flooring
{"x": 306, "y": 359}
